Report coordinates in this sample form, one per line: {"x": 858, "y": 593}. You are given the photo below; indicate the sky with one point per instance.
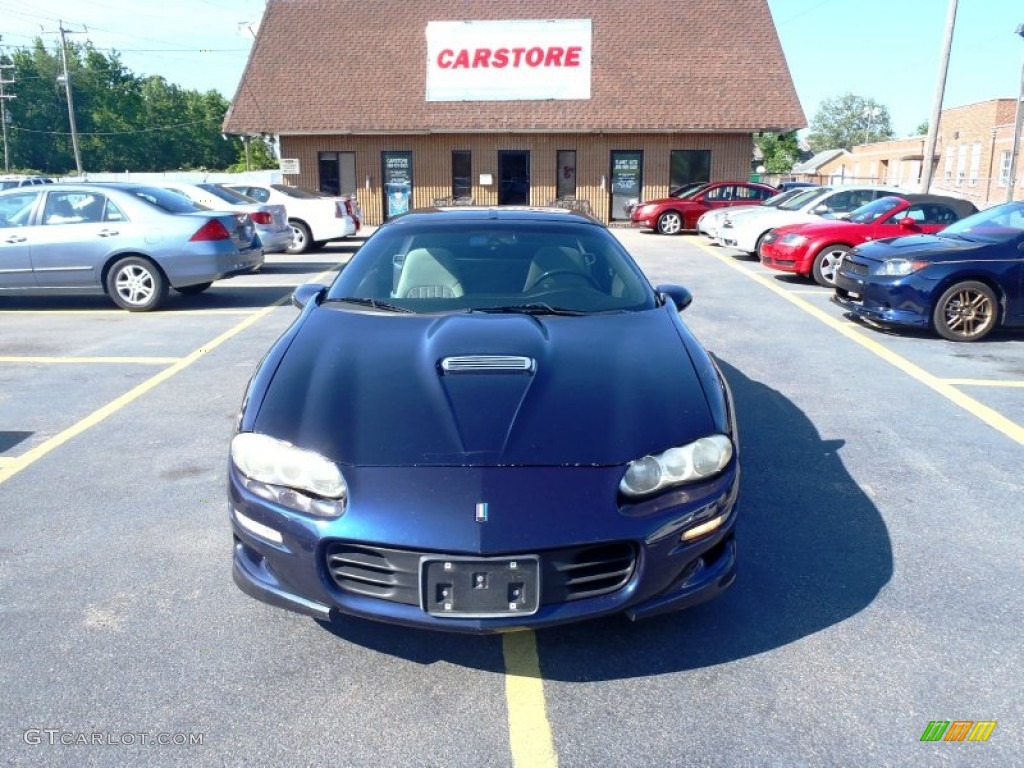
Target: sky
{"x": 885, "y": 50}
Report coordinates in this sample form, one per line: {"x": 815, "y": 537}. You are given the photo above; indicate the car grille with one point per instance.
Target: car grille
{"x": 852, "y": 267}
{"x": 567, "y": 574}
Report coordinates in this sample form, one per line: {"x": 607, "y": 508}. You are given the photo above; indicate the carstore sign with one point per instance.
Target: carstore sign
{"x": 508, "y": 60}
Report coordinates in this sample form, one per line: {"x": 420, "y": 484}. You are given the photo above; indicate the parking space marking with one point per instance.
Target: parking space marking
{"x": 4, "y": 460}
{"x": 123, "y": 313}
{"x": 7, "y": 471}
{"x": 1012, "y": 383}
{"x": 137, "y": 360}
{"x": 988, "y": 415}
{"x": 529, "y": 732}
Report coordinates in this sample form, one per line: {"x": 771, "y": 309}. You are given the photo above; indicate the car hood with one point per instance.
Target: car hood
{"x": 675, "y": 201}
{"x": 367, "y": 388}
{"x": 820, "y": 228}
{"x": 924, "y": 247}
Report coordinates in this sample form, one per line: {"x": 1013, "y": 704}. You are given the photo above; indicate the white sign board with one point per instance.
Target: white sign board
{"x": 508, "y": 60}
{"x": 289, "y": 165}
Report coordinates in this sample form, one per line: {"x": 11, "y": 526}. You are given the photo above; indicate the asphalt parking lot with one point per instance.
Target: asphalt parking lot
{"x": 880, "y": 583}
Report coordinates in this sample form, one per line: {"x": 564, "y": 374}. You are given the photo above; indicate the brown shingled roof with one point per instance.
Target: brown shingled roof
{"x": 338, "y": 66}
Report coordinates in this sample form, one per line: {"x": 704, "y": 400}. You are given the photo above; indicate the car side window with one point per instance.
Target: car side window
{"x": 258, "y": 194}
{"x": 16, "y": 210}
{"x": 60, "y": 208}
{"x": 718, "y": 194}
{"x": 113, "y": 213}
{"x": 748, "y": 193}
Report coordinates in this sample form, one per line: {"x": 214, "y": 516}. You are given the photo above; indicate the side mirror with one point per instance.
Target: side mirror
{"x": 820, "y": 209}
{"x": 308, "y": 292}
{"x": 907, "y": 223}
{"x": 678, "y": 295}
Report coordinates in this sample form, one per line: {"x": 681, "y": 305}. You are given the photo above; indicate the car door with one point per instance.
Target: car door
{"x": 76, "y": 232}
{"x": 16, "y": 239}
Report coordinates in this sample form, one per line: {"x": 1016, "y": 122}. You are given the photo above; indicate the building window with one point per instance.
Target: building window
{"x": 687, "y": 166}
{"x": 975, "y": 162}
{"x": 396, "y": 172}
{"x": 949, "y": 166}
{"x": 462, "y": 174}
{"x": 961, "y": 164}
{"x": 337, "y": 172}
{"x": 627, "y": 180}
{"x": 565, "y": 181}
{"x": 1004, "y": 168}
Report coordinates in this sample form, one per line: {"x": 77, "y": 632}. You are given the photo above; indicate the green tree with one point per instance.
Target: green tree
{"x": 778, "y": 150}
{"x": 124, "y": 122}
{"x": 261, "y": 155}
{"x": 922, "y": 129}
{"x": 845, "y": 121}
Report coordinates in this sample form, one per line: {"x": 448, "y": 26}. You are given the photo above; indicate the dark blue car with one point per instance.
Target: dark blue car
{"x": 963, "y": 281}
{"x": 490, "y": 421}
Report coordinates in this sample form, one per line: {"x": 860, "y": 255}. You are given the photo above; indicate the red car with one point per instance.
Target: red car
{"x": 671, "y": 215}
{"x": 816, "y": 249}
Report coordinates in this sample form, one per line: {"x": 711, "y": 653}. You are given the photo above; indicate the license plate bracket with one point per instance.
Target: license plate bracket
{"x": 474, "y": 587}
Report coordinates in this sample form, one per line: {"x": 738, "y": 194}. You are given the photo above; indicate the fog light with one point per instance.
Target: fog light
{"x": 704, "y": 528}
{"x": 258, "y": 529}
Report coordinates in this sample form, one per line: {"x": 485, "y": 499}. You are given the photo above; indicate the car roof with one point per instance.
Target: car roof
{"x": 961, "y": 207}
{"x": 480, "y": 213}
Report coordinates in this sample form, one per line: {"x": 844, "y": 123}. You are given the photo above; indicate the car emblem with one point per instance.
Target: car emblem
{"x": 481, "y": 512}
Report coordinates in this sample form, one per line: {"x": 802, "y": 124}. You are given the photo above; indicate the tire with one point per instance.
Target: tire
{"x": 826, "y": 264}
{"x": 136, "y": 284}
{"x": 193, "y": 290}
{"x": 302, "y": 240}
{"x": 670, "y": 223}
{"x": 757, "y": 246}
{"x": 966, "y": 311}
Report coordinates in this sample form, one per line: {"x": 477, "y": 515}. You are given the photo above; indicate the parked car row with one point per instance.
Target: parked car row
{"x": 315, "y": 218}
{"x": 898, "y": 260}
{"x": 132, "y": 242}
{"x": 672, "y": 215}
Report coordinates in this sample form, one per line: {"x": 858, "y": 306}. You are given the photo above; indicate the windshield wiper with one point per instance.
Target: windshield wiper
{"x": 374, "y": 303}
{"x": 534, "y": 308}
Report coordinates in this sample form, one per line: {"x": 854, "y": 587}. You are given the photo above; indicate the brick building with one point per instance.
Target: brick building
{"x": 972, "y": 156}
{"x": 408, "y": 103}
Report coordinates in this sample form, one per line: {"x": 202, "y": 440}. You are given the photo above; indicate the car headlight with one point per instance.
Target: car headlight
{"x": 699, "y": 460}
{"x": 284, "y": 469}
{"x": 644, "y": 209}
{"x": 899, "y": 267}
{"x": 793, "y": 240}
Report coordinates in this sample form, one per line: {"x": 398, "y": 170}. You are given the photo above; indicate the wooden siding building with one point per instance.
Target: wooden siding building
{"x": 406, "y": 104}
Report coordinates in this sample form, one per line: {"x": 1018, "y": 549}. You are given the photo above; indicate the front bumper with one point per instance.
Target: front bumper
{"x": 785, "y": 258}
{"x": 886, "y": 300}
{"x": 665, "y": 574}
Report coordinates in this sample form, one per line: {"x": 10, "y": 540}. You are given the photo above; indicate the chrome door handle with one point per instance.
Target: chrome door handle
{"x": 16, "y": 239}
{"x": 108, "y": 232}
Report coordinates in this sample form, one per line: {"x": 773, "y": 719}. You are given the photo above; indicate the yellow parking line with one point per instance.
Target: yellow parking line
{"x": 138, "y": 360}
{"x": 984, "y": 383}
{"x": 988, "y": 415}
{"x": 4, "y": 460}
{"x": 529, "y": 732}
{"x": 8, "y": 471}
{"x": 94, "y": 312}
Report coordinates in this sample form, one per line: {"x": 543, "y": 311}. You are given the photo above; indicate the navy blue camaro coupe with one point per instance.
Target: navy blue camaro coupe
{"x": 490, "y": 421}
{"x": 963, "y": 281}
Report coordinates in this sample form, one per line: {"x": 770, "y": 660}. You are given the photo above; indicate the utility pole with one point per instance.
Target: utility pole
{"x": 67, "y": 90}
{"x": 3, "y": 110}
{"x": 928, "y": 161}
{"x": 1018, "y": 119}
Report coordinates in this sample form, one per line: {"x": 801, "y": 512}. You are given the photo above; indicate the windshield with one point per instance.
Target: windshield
{"x": 803, "y": 197}
{"x": 228, "y": 196}
{"x": 874, "y": 210}
{"x": 686, "y": 193}
{"x": 687, "y": 190}
{"x": 776, "y": 200}
{"x": 165, "y": 199}
{"x": 494, "y": 266}
{"x": 1001, "y": 224}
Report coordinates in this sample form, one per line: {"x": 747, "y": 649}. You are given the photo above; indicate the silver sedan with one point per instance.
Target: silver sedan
{"x": 130, "y": 241}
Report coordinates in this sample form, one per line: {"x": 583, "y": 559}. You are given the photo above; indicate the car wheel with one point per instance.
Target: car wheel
{"x": 302, "y": 240}
{"x": 757, "y": 246}
{"x": 136, "y": 284}
{"x": 826, "y": 264}
{"x": 670, "y": 223}
{"x": 966, "y": 311}
{"x": 193, "y": 290}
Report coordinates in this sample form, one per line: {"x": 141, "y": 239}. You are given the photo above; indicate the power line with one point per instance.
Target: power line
{"x": 118, "y": 133}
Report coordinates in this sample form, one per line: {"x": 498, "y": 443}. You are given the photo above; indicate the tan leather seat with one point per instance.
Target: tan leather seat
{"x": 428, "y": 274}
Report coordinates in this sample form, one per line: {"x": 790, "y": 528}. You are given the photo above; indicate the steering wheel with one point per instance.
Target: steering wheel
{"x": 552, "y": 272}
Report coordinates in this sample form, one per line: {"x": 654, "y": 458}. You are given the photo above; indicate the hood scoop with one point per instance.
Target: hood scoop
{"x": 488, "y": 364}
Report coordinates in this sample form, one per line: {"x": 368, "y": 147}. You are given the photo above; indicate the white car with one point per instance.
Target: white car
{"x": 712, "y": 221}
{"x": 314, "y": 218}
{"x": 271, "y": 220}
{"x": 746, "y": 231}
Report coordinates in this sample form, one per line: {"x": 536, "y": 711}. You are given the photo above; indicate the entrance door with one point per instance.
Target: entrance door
{"x": 626, "y": 176}
{"x": 513, "y": 177}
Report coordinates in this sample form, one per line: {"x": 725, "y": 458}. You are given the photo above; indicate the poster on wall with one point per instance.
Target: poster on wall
{"x": 397, "y": 174}
{"x": 625, "y": 186}
{"x": 514, "y": 60}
